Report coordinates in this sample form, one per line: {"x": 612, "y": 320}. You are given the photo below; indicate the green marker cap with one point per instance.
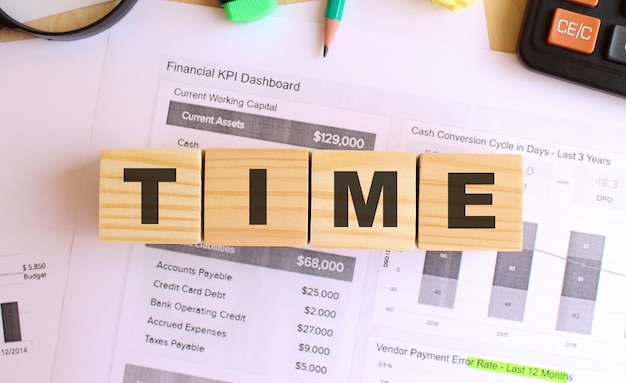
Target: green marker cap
{"x": 248, "y": 10}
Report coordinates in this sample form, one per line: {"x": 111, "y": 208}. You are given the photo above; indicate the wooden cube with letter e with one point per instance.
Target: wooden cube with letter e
{"x": 151, "y": 195}
{"x": 256, "y": 197}
{"x": 470, "y": 202}
{"x": 363, "y": 199}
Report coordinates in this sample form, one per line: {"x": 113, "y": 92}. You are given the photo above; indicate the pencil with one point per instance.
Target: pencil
{"x": 334, "y": 11}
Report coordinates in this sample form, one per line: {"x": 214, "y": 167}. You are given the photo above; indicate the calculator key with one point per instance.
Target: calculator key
{"x": 574, "y": 31}
{"x": 617, "y": 47}
{"x": 586, "y": 3}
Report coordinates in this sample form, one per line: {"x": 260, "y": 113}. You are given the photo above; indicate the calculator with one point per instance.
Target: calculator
{"x": 583, "y": 41}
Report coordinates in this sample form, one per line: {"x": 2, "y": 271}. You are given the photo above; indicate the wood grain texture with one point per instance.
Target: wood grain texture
{"x": 324, "y": 234}
{"x": 433, "y": 231}
{"x": 180, "y": 212}
{"x": 504, "y": 23}
{"x": 227, "y": 197}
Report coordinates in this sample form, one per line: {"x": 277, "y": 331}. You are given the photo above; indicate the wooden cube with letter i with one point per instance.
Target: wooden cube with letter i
{"x": 256, "y": 197}
{"x": 363, "y": 199}
{"x": 151, "y": 195}
{"x": 470, "y": 202}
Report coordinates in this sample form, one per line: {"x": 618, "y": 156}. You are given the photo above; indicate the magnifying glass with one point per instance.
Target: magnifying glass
{"x": 62, "y": 19}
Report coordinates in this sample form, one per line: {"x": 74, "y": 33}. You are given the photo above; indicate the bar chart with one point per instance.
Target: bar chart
{"x": 555, "y": 294}
{"x": 11, "y": 328}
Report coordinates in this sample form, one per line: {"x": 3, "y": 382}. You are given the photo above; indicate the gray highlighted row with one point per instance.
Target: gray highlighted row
{"x": 266, "y": 128}
{"x": 134, "y": 374}
{"x": 290, "y": 259}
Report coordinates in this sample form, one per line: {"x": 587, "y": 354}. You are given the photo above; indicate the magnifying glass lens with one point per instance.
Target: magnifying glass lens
{"x": 62, "y": 19}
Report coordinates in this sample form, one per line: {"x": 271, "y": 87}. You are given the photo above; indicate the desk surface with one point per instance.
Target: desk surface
{"x": 504, "y": 18}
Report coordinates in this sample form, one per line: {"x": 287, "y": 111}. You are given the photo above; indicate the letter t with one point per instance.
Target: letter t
{"x": 150, "y": 179}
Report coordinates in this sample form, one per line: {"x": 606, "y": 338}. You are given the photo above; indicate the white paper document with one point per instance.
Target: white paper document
{"x": 195, "y": 313}
{"x": 48, "y": 104}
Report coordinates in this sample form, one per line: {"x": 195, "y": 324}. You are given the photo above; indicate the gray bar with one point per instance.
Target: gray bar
{"x": 513, "y": 268}
{"x": 507, "y": 303}
{"x": 581, "y": 278}
{"x": 443, "y": 264}
{"x": 529, "y": 236}
{"x": 437, "y": 291}
{"x": 11, "y": 322}
{"x": 138, "y": 374}
{"x": 439, "y": 279}
{"x": 582, "y": 271}
{"x": 575, "y": 315}
{"x": 583, "y": 245}
{"x": 580, "y": 283}
{"x": 511, "y": 278}
{"x": 278, "y": 258}
{"x": 267, "y": 128}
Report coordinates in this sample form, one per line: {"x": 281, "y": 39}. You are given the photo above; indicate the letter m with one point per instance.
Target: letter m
{"x": 365, "y": 211}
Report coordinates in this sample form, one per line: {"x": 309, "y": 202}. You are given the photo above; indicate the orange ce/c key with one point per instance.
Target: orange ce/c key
{"x": 574, "y": 31}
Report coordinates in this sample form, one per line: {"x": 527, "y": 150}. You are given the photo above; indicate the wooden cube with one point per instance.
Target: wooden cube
{"x": 256, "y": 197}
{"x": 363, "y": 200}
{"x": 151, "y": 195}
{"x": 470, "y": 202}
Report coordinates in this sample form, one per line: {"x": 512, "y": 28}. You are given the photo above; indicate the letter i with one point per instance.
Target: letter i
{"x": 258, "y": 196}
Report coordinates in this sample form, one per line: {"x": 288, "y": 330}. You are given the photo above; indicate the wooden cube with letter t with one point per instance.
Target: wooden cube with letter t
{"x": 363, "y": 199}
{"x": 151, "y": 195}
{"x": 470, "y": 202}
{"x": 256, "y": 197}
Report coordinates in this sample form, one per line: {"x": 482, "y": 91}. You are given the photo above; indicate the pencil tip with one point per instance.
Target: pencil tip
{"x": 325, "y": 50}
